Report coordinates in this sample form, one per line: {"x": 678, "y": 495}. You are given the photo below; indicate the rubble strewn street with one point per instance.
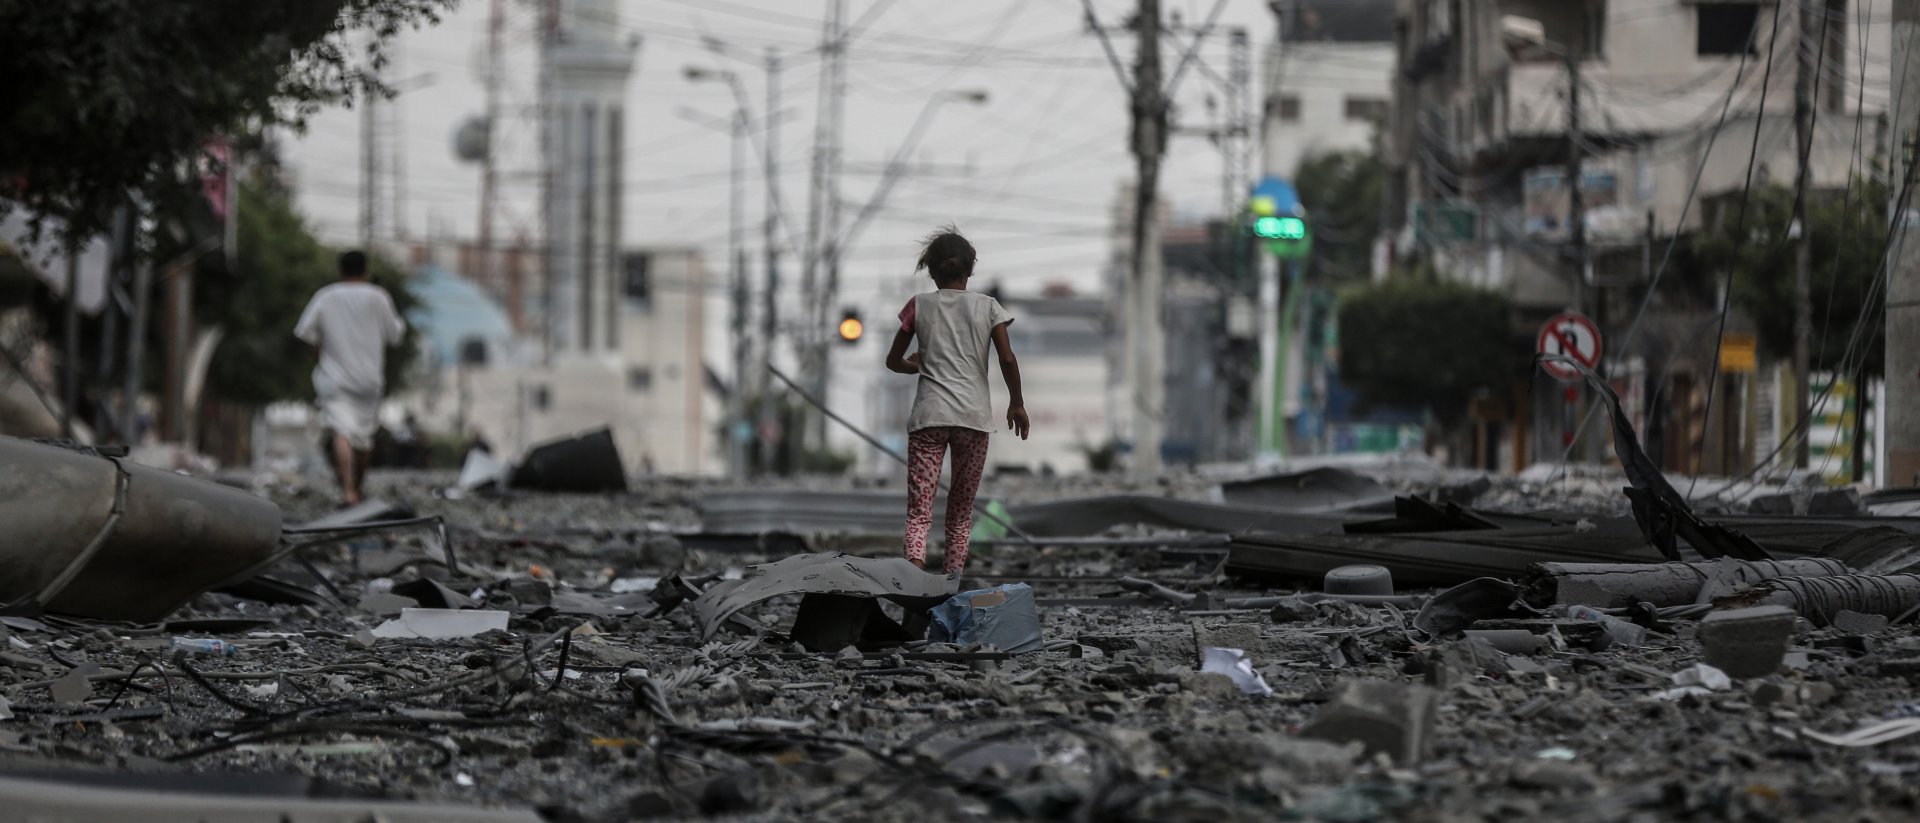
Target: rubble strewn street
{"x": 599, "y": 700}
{"x": 588, "y": 411}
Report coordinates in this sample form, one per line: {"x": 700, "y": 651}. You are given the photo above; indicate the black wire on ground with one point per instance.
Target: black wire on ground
{"x": 978, "y": 504}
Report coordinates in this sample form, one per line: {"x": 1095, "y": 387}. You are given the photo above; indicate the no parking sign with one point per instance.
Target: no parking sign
{"x": 1573, "y": 335}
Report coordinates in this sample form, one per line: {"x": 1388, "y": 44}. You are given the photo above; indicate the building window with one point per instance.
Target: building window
{"x": 637, "y": 269}
{"x": 1367, "y": 108}
{"x": 1289, "y": 108}
{"x": 1725, "y": 29}
{"x": 639, "y": 379}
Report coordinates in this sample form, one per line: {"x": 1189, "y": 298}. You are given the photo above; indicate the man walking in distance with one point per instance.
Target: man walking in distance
{"x": 350, "y": 324}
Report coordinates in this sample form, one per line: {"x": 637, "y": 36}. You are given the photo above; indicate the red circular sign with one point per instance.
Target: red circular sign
{"x": 1573, "y": 335}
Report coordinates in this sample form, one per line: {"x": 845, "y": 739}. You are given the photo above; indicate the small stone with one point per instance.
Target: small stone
{"x": 1817, "y": 694}
{"x": 1766, "y": 693}
{"x": 1554, "y": 775}
{"x": 1853, "y": 622}
{"x": 1209, "y": 686}
{"x": 1294, "y": 610}
{"x": 1747, "y": 642}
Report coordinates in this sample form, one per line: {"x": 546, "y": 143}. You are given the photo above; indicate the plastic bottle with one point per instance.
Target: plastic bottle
{"x": 1623, "y": 632}
{"x": 204, "y": 645}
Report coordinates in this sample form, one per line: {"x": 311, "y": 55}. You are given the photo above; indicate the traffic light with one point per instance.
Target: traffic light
{"x": 1280, "y": 228}
{"x": 1279, "y": 219}
{"x": 850, "y": 327}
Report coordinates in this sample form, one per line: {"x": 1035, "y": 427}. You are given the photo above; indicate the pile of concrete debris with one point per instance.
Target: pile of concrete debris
{"x": 1318, "y": 645}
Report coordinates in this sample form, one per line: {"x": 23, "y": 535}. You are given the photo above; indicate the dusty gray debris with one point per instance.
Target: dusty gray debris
{"x": 1746, "y": 642}
{"x": 1386, "y": 717}
{"x": 1853, "y": 622}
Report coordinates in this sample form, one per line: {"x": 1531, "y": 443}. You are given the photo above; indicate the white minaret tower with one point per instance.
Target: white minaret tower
{"x": 585, "y": 66}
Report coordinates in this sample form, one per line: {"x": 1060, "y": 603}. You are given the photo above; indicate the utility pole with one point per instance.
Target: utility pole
{"x": 1803, "y": 86}
{"x": 70, "y": 348}
{"x": 549, "y": 38}
{"x": 822, "y": 192}
{"x": 1902, "y": 396}
{"x": 1149, "y": 145}
{"x": 369, "y": 170}
{"x": 496, "y": 21}
{"x": 737, "y": 282}
{"x": 769, "y": 304}
{"x": 1579, "y": 251}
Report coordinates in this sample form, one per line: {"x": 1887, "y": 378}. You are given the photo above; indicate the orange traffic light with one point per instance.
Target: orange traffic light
{"x": 850, "y": 327}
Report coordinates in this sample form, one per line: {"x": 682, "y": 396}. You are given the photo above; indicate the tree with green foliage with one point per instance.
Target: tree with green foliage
{"x": 103, "y": 98}
{"x": 1420, "y": 342}
{"x": 258, "y": 360}
{"x": 1342, "y": 191}
{"x": 1849, "y": 233}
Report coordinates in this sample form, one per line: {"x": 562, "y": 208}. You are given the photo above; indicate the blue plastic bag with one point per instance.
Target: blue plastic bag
{"x": 1004, "y": 617}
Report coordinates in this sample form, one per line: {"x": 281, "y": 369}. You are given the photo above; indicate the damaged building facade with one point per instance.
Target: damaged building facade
{"x": 1681, "y": 106}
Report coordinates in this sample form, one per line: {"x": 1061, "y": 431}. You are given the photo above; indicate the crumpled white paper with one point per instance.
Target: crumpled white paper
{"x": 1234, "y": 664}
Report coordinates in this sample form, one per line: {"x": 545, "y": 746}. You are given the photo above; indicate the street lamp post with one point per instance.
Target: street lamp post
{"x": 736, "y": 126}
{"x": 769, "y": 319}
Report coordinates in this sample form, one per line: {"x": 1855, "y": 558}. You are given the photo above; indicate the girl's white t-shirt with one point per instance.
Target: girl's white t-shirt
{"x": 954, "y": 329}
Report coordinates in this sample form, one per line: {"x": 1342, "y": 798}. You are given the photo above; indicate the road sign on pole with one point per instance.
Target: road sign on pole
{"x": 1573, "y": 335}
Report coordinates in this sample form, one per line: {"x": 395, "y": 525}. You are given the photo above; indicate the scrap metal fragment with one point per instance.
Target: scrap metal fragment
{"x": 1461, "y": 606}
{"x": 587, "y": 463}
{"x": 894, "y": 578}
{"x": 1315, "y": 490}
{"x": 1660, "y": 509}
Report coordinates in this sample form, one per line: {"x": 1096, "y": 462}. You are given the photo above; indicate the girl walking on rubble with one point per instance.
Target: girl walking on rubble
{"x": 953, "y": 407}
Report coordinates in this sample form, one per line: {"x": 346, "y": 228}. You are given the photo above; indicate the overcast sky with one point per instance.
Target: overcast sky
{"x": 1047, "y": 153}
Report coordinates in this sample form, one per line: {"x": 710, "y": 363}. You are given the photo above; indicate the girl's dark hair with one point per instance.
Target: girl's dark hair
{"x": 947, "y": 256}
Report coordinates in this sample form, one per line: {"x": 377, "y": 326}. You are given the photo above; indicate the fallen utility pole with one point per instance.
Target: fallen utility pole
{"x": 978, "y": 505}
{"x": 1818, "y": 599}
{"x": 1615, "y": 585}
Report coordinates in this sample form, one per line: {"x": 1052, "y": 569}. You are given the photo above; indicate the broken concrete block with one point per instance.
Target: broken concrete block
{"x": 1385, "y": 717}
{"x": 1747, "y": 642}
{"x": 1834, "y": 503}
{"x": 1853, "y": 622}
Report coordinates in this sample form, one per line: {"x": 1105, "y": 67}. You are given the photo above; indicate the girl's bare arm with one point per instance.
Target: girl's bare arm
{"x": 897, "y": 358}
{"x": 1010, "y": 369}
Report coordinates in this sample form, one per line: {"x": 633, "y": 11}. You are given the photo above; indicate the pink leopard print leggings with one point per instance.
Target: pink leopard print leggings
{"x": 926, "y": 449}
